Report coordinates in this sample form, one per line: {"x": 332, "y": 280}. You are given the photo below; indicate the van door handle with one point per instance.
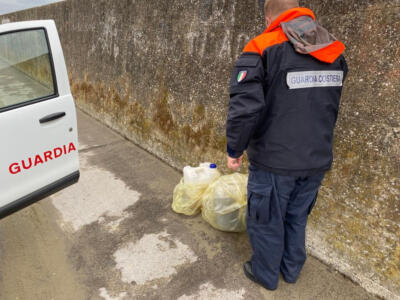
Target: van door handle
{"x": 52, "y": 117}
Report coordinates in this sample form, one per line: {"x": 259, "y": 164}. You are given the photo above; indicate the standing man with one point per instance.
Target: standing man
{"x": 285, "y": 94}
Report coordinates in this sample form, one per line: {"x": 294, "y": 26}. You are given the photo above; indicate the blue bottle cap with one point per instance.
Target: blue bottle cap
{"x": 213, "y": 166}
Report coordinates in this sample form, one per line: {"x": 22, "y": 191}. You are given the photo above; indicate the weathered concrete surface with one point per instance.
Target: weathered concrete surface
{"x": 158, "y": 73}
{"x": 357, "y": 221}
{"x": 33, "y": 60}
{"x": 114, "y": 236}
{"x": 16, "y": 86}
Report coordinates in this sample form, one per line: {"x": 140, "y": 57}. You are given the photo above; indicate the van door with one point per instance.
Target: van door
{"x": 38, "y": 127}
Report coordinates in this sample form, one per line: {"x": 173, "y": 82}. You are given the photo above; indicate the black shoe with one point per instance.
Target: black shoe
{"x": 288, "y": 281}
{"x": 248, "y": 271}
{"x": 247, "y": 268}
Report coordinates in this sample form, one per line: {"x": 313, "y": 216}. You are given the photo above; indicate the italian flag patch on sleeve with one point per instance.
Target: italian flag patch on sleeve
{"x": 241, "y": 76}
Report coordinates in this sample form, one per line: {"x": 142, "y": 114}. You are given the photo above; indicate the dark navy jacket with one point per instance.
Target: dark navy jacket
{"x": 284, "y": 104}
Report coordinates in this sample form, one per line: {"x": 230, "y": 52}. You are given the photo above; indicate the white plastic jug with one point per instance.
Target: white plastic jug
{"x": 206, "y": 173}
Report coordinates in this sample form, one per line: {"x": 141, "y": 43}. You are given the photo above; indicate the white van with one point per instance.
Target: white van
{"x": 38, "y": 128}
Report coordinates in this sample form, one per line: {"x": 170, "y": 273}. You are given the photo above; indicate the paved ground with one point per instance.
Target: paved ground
{"x": 113, "y": 236}
{"x": 16, "y": 87}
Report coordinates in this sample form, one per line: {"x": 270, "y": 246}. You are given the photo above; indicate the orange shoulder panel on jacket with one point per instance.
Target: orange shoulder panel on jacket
{"x": 331, "y": 53}
{"x": 264, "y": 41}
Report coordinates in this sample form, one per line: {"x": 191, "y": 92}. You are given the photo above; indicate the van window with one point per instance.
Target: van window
{"x": 25, "y": 67}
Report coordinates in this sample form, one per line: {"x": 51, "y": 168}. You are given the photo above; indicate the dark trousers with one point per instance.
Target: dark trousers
{"x": 278, "y": 209}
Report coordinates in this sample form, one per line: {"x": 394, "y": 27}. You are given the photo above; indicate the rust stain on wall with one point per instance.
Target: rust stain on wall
{"x": 155, "y": 125}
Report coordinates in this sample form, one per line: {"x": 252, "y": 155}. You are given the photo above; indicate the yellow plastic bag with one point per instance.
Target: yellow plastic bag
{"x": 187, "y": 198}
{"x": 225, "y": 203}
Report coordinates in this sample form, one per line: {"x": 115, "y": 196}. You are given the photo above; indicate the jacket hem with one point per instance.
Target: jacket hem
{"x": 289, "y": 172}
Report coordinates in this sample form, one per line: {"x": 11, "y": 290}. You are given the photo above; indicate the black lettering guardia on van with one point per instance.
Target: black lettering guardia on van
{"x": 31, "y": 162}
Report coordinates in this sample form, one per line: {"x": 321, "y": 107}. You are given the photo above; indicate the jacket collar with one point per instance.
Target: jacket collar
{"x": 290, "y": 15}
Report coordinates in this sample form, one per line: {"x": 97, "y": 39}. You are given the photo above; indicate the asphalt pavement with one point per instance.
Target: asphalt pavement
{"x": 114, "y": 236}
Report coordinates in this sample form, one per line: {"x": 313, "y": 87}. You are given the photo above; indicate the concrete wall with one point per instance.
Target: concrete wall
{"x": 27, "y": 51}
{"x": 158, "y": 73}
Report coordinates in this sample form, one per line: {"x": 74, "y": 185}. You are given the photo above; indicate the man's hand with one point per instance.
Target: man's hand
{"x": 234, "y": 163}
